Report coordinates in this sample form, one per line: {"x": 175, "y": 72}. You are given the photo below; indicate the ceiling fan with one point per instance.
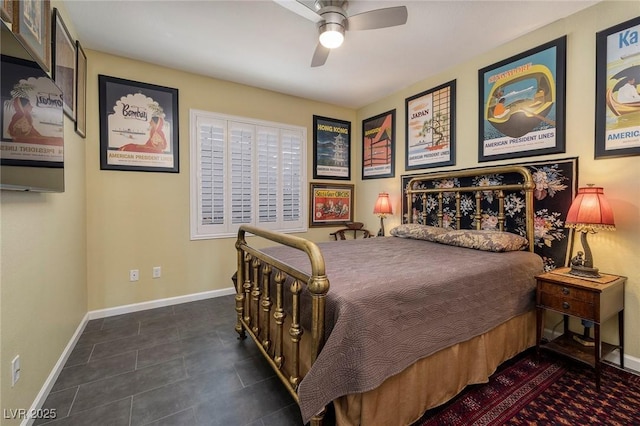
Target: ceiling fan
{"x": 333, "y": 20}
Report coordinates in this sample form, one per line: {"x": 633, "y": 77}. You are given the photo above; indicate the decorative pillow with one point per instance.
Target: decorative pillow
{"x": 486, "y": 240}
{"x": 417, "y": 231}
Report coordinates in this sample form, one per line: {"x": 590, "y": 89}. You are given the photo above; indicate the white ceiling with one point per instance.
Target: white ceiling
{"x": 263, "y": 44}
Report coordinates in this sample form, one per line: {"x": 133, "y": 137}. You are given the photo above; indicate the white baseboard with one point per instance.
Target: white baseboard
{"x": 158, "y": 303}
{"x": 55, "y": 372}
{"x": 108, "y": 312}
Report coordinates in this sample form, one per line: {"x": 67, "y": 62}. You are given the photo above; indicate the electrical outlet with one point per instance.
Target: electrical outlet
{"x": 134, "y": 275}
{"x": 157, "y": 272}
{"x": 15, "y": 370}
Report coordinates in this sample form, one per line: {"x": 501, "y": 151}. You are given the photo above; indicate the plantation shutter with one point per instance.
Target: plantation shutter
{"x": 241, "y": 138}
{"x": 211, "y": 166}
{"x": 292, "y": 178}
{"x": 245, "y": 172}
{"x": 268, "y": 161}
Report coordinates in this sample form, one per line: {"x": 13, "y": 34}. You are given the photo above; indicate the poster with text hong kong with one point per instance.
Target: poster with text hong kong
{"x": 522, "y": 98}
{"x": 331, "y": 148}
{"x": 138, "y": 126}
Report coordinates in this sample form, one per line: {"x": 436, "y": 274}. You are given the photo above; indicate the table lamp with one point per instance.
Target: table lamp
{"x": 589, "y": 213}
{"x": 382, "y": 208}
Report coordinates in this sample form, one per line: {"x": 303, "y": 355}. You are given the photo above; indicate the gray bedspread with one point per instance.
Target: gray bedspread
{"x": 394, "y": 301}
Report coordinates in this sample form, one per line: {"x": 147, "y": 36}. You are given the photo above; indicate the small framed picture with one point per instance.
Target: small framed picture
{"x": 330, "y": 204}
{"x": 6, "y": 10}
{"x": 431, "y": 128}
{"x": 32, "y": 25}
{"x": 331, "y": 148}
{"x": 618, "y": 90}
{"x": 64, "y": 64}
{"x": 378, "y": 146}
{"x": 138, "y": 126}
{"x": 522, "y": 99}
{"x": 81, "y": 91}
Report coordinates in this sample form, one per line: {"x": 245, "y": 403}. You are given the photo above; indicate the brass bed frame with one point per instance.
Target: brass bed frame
{"x": 266, "y": 323}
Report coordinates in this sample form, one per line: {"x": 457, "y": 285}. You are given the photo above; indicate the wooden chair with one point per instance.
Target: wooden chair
{"x": 356, "y": 227}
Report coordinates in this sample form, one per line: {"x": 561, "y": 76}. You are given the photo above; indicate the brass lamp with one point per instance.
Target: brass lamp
{"x": 382, "y": 208}
{"x": 589, "y": 213}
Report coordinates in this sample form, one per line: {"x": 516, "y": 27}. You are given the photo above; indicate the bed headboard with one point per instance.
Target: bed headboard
{"x": 472, "y": 199}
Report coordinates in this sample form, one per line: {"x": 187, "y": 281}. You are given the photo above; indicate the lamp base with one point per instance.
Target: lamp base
{"x": 584, "y": 271}
{"x": 381, "y": 231}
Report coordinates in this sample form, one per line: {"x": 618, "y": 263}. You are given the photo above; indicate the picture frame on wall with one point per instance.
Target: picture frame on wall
{"x": 32, "y": 117}
{"x": 138, "y": 126}
{"x": 32, "y": 26}
{"x": 6, "y": 11}
{"x": 331, "y": 148}
{"x": 330, "y": 204}
{"x": 63, "y": 67}
{"x": 431, "y": 128}
{"x": 617, "y": 90}
{"x": 378, "y": 146}
{"x": 522, "y": 104}
{"x": 81, "y": 91}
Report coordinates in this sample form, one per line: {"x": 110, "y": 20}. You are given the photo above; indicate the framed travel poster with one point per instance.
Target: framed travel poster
{"x": 81, "y": 91}
{"x": 331, "y": 148}
{"x": 64, "y": 63}
{"x": 32, "y": 118}
{"x": 330, "y": 204}
{"x": 32, "y": 25}
{"x": 522, "y": 101}
{"x": 6, "y": 10}
{"x": 431, "y": 128}
{"x": 378, "y": 145}
{"x": 617, "y": 90}
{"x": 138, "y": 126}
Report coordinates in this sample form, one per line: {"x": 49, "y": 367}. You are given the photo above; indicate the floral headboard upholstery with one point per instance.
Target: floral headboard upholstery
{"x": 555, "y": 187}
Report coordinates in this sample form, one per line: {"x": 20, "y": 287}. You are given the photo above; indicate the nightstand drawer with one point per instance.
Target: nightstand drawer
{"x": 568, "y": 292}
{"x": 569, "y": 306}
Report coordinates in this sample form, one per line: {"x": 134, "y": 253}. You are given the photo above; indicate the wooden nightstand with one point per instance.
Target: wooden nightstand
{"x": 595, "y": 300}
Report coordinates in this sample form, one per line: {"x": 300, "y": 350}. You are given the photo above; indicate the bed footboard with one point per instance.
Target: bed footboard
{"x": 264, "y": 321}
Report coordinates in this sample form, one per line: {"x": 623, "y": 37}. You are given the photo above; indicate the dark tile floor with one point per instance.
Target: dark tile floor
{"x": 176, "y": 365}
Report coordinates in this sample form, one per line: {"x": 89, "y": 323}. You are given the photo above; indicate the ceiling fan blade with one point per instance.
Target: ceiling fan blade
{"x": 303, "y": 8}
{"x": 320, "y": 56}
{"x": 378, "y": 18}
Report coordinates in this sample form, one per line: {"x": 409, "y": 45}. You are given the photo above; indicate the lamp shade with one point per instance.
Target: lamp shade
{"x": 590, "y": 209}
{"x": 383, "y": 206}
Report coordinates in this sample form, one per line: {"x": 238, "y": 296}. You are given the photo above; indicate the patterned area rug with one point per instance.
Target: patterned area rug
{"x": 550, "y": 390}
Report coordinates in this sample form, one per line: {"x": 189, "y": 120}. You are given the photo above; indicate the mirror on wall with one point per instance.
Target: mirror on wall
{"x": 32, "y": 122}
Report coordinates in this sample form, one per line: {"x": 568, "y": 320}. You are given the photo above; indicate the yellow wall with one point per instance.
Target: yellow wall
{"x": 65, "y": 254}
{"x": 140, "y": 220}
{"x": 43, "y": 287}
{"x": 614, "y": 252}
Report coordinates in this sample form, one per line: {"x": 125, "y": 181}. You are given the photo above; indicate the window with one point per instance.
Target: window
{"x": 246, "y": 171}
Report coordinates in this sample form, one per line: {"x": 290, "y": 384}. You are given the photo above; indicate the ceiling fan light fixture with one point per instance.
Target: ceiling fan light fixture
{"x": 331, "y": 35}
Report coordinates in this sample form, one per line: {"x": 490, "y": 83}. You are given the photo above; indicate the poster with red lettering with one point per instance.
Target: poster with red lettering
{"x": 138, "y": 126}
{"x": 330, "y": 204}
